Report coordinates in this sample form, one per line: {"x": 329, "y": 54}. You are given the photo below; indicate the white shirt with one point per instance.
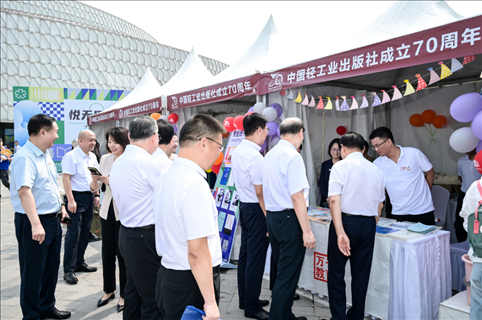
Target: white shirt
{"x": 162, "y": 158}
{"x": 132, "y": 180}
{"x": 405, "y": 182}
{"x": 184, "y": 209}
{"x": 247, "y": 165}
{"x": 17, "y": 148}
{"x": 77, "y": 163}
{"x": 472, "y": 197}
{"x": 360, "y": 184}
{"x": 284, "y": 174}
{"x": 466, "y": 170}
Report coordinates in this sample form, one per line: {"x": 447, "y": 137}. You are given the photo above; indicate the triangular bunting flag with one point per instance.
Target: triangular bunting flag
{"x": 396, "y": 93}
{"x": 409, "y": 89}
{"x": 468, "y": 59}
{"x": 282, "y": 92}
{"x": 386, "y": 97}
{"x": 364, "y": 103}
{"x": 298, "y": 98}
{"x": 305, "y": 100}
{"x": 376, "y": 100}
{"x": 433, "y": 76}
{"x": 344, "y": 104}
{"x": 421, "y": 83}
{"x": 354, "y": 104}
{"x": 456, "y": 65}
{"x": 337, "y": 104}
{"x": 290, "y": 95}
{"x": 312, "y": 102}
{"x": 445, "y": 70}
{"x": 320, "y": 104}
{"x": 329, "y": 105}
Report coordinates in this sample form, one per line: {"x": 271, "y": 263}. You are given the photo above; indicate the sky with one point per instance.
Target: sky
{"x": 224, "y": 30}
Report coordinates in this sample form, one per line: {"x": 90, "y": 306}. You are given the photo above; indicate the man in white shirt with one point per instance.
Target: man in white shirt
{"x": 471, "y": 201}
{"x": 80, "y": 202}
{"x": 286, "y": 190}
{"x": 132, "y": 180}
{"x": 403, "y": 169}
{"x": 356, "y": 190}
{"x": 247, "y": 163}
{"x": 187, "y": 234}
{"x": 468, "y": 174}
{"x": 17, "y": 146}
{"x": 164, "y": 149}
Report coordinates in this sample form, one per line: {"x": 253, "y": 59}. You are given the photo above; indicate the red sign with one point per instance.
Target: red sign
{"x": 220, "y": 92}
{"x": 456, "y": 39}
{"x": 102, "y": 117}
{"x": 149, "y": 106}
{"x": 320, "y": 267}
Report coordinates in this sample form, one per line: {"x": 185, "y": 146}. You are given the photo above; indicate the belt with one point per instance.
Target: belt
{"x": 356, "y": 215}
{"x": 52, "y": 215}
{"x": 149, "y": 227}
{"x": 86, "y": 192}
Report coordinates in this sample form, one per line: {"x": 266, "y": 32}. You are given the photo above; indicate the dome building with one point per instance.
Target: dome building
{"x": 67, "y": 44}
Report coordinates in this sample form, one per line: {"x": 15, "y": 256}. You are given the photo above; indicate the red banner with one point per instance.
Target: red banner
{"x": 149, "y": 106}
{"x": 102, "y": 117}
{"x": 456, "y": 39}
{"x": 220, "y": 92}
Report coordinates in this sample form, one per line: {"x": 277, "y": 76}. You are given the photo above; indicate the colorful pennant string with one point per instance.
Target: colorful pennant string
{"x": 364, "y": 102}
{"x": 305, "y": 100}
{"x": 456, "y": 65}
{"x": 445, "y": 70}
{"x": 282, "y": 92}
{"x": 409, "y": 89}
{"x": 312, "y": 102}
{"x": 290, "y": 95}
{"x": 376, "y": 100}
{"x": 354, "y": 104}
{"x": 344, "y": 104}
{"x": 396, "y": 93}
{"x": 320, "y": 104}
{"x": 337, "y": 104}
{"x": 298, "y": 98}
{"x": 421, "y": 83}
{"x": 329, "y": 105}
{"x": 386, "y": 97}
{"x": 433, "y": 76}
{"x": 468, "y": 59}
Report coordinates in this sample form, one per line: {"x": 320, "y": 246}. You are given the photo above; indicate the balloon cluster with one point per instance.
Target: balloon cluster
{"x": 172, "y": 119}
{"x": 428, "y": 117}
{"x": 466, "y": 108}
{"x": 272, "y": 114}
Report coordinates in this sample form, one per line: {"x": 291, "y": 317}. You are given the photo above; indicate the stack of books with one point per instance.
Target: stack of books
{"x": 421, "y": 228}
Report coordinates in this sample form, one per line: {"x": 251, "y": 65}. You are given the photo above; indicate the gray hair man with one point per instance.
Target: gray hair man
{"x": 132, "y": 180}
{"x": 286, "y": 190}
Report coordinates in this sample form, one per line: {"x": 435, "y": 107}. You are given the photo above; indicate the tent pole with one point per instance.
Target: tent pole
{"x": 323, "y": 136}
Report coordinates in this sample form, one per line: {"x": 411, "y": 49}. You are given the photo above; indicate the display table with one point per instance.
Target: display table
{"x": 408, "y": 279}
{"x": 455, "y": 308}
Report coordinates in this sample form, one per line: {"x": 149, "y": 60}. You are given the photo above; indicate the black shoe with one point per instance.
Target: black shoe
{"x": 70, "y": 277}
{"x": 56, "y": 314}
{"x": 101, "y": 302}
{"x": 93, "y": 238}
{"x": 261, "y": 314}
{"x": 85, "y": 268}
{"x": 301, "y": 318}
{"x": 264, "y": 303}
{"x": 296, "y": 297}
{"x": 120, "y": 308}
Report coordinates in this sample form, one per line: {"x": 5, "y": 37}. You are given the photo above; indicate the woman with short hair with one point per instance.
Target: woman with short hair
{"x": 334, "y": 151}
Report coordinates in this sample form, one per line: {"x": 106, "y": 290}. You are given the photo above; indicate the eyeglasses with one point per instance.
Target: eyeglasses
{"x": 335, "y": 150}
{"x": 377, "y": 147}
{"x": 222, "y": 147}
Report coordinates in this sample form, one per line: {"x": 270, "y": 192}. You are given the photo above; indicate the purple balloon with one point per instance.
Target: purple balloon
{"x": 175, "y": 128}
{"x": 465, "y": 107}
{"x": 477, "y": 125}
{"x": 479, "y": 146}
{"x": 278, "y": 133}
{"x": 278, "y": 107}
{"x": 263, "y": 146}
{"x": 273, "y": 128}
{"x": 251, "y": 109}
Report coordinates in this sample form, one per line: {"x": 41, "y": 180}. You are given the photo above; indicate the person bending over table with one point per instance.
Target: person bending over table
{"x": 334, "y": 153}
{"x": 357, "y": 192}
{"x": 406, "y": 185}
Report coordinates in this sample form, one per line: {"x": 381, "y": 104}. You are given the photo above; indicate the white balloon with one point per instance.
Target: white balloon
{"x": 463, "y": 140}
{"x": 164, "y": 118}
{"x": 278, "y": 121}
{"x": 259, "y": 107}
{"x": 274, "y": 140}
{"x": 270, "y": 114}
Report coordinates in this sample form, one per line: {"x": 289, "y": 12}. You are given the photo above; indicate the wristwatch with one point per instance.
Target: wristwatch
{"x": 96, "y": 196}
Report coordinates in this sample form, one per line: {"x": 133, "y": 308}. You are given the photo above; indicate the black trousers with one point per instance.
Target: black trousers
{"x": 177, "y": 289}
{"x": 361, "y": 232}
{"x": 288, "y": 252}
{"x": 5, "y": 179}
{"x": 110, "y": 249}
{"x": 425, "y": 218}
{"x": 39, "y": 265}
{"x": 459, "y": 221}
{"x": 138, "y": 247}
{"x": 252, "y": 255}
{"x": 77, "y": 236}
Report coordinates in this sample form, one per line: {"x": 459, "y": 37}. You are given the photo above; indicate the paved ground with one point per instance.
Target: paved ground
{"x": 81, "y": 299}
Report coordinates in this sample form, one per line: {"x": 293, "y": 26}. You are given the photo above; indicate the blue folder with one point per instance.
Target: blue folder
{"x": 192, "y": 313}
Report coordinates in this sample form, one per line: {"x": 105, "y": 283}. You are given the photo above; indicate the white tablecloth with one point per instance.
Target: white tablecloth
{"x": 408, "y": 280}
